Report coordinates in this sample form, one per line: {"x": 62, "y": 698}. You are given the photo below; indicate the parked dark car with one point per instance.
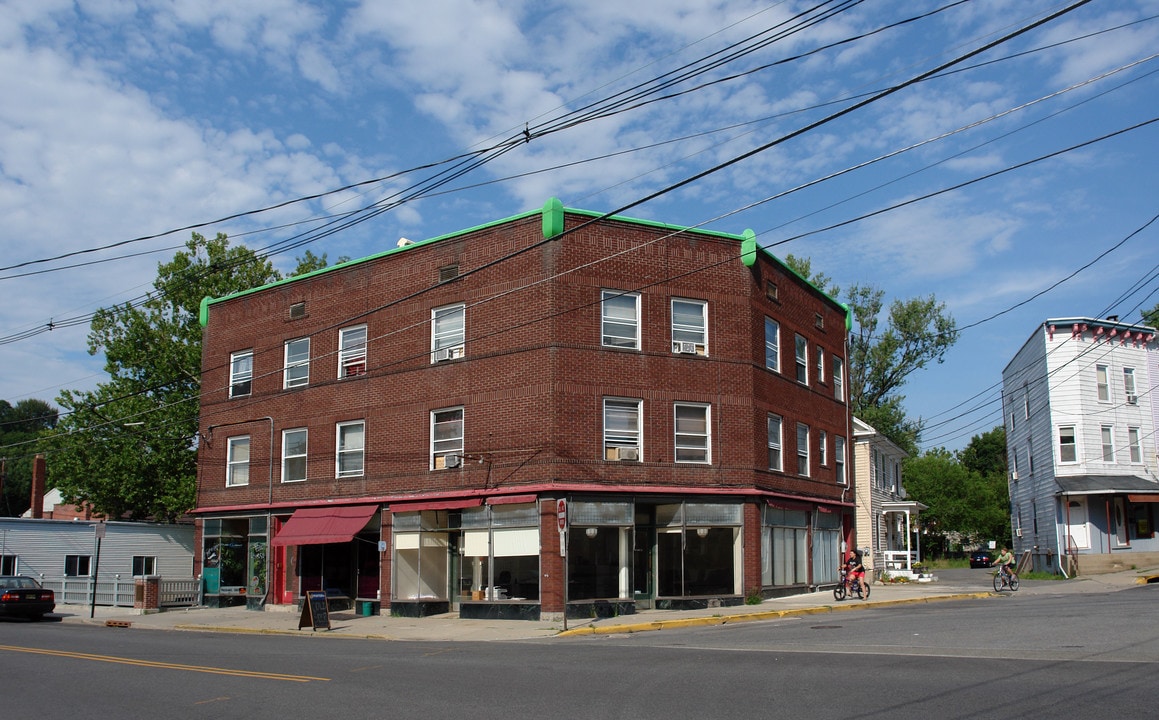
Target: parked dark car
{"x": 22, "y": 596}
{"x": 982, "y": 558}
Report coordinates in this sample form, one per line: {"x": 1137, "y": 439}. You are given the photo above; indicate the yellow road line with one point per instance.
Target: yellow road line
{"x": 165, "y": 665}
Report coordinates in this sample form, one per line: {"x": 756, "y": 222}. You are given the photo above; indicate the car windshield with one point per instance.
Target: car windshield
{"x": 17, "y": 582}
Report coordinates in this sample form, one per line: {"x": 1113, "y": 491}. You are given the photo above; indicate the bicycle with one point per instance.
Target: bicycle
{"x": 1003, "y": 579}
{"x": 847, "y": 588}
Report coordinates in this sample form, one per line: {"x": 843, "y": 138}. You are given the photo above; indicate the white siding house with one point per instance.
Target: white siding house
{"x": 886, "y": 520}
{"x": 1080, "y": 422}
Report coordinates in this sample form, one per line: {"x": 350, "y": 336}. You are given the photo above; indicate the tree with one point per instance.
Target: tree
{"x": 20, "y": 426}
{"x": 1151, "y": 317}
{"x": 128, "y": 447}
{"x": 986, "y": 453}
{"x": 965, "y": 506}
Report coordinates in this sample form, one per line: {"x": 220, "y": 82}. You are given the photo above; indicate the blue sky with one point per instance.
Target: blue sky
{"x": 124, "y": 119}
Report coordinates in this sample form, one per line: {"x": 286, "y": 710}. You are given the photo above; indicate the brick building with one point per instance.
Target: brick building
{"x": 408, "y": 428}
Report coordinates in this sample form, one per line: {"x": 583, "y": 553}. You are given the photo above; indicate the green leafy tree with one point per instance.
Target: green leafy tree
{"x": 127, "y": 448}
{"x": 966, "y": 507}
{"x": 20, "y": 426}
{"x": 1151, "y": 317}
{"x": 986, "y": 453}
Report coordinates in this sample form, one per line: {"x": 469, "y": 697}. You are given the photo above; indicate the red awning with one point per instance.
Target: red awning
{"x": 317, "y": 526}
{"x": 510, "y": 499}
{"x": 1144, "y": 498}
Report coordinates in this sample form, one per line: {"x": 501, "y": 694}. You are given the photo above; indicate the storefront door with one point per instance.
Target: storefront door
{"x": 643, "y": 567}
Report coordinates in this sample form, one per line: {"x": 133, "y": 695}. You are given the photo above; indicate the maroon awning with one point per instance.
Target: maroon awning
{"x": 317, "y": 526}
{"x": 435, "y": 505}
{"x": 511, "y": 499}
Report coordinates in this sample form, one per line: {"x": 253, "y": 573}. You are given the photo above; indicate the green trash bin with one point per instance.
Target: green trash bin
{"x": 366, "y": 608}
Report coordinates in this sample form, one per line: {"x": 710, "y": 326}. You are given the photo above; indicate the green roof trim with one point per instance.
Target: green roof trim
{"x": 748, "y": 248}
{"x": 552, "y": 218}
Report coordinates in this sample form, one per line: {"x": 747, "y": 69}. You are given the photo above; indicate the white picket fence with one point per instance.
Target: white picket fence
{"x": 119, "y": 592}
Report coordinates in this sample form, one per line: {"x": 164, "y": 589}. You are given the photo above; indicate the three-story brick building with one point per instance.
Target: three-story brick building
{"x": 558, "y": 410}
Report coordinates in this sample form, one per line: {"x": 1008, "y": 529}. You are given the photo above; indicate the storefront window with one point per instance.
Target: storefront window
{"x": 698, "y": 550}
{"x": 599, "y": 550}
{"x": 784, "y": 547}
{"x": 826, "y": 548}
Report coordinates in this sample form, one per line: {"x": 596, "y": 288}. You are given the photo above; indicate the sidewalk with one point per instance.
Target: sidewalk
{"x": 447, "y": 628}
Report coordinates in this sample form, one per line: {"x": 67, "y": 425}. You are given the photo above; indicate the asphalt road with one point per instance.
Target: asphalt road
{"x": 1023, "y": 656}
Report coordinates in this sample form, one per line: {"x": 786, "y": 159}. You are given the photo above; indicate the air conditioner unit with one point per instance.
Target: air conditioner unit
{"x": 685, "y": 348}
{"x": 1132, "y": 399}
{"x": 1018, "y": 532}
{"x": 452, "y": 461}
{"x": 629, "y": 453}
{"x": 1014, "y": 475}
{"x": 442, "y": 354}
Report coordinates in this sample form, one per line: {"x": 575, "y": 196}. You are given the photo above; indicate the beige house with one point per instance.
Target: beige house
{"x": 886, "y": 522}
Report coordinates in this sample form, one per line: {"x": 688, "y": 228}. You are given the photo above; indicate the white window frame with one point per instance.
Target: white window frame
{"x": 1134, "y": 444}
{"x": 1062, "y": 446}
{"x": 448, "y": 332}
{"x": 822, "y": 448}
{"x": 77, "y": 561}
{"x": 772, "y": 347}
{"x": 1107, "y": 442}
{"x": 692, "y": 442}
{"x": 820, "y": 352}
{"x": 241, "y": 373}
{"x": 448, "y": 428}
{"x": 296, "y": 368}
{"x": 1131, "y": 397}
{"x": 616, "y": 299}
{"x": 803, "y": 468}
{"x": 775, "y": 425}
{"x": 147, "y": 564}
{"x": 352, "y": 343}
{"x": 618, "y": 437}
{"x": 838, "y": 374}
{"x": 287, "y": 457}
{"x": 237, "y": 461}
{"x": 839, "y": 460}
{"x": 1102, "y": 384}
{"x": 801, "y": 353}
{"x": 346, "y": 450}
{"x": 690, "y": 338}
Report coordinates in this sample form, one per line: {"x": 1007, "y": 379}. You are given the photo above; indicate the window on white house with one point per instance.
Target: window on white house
{"x": 822, "y": 448}
{"x": 1067, "y": 450}
{"x": 1014, "y": 462}
{"x": 690, "y": 327}
{"x": 9, "y": 565}
{"x": 1108, "y": 435}
{"x": 839, "y": 459}
{"x": 1133, "y": 442}
{"x": 802, "y": 360}
{"x": 294, "y": 446}
{"x": 350, "y": 453}
{"x": 77, "y": 565}
{"x": 692, "y": 433}
{"x": 838, "y": 378}
{"x": 241, "y": 373}
{"x": 448, "y": 332}
{"x": 1029, "y": 456}
{"x": 1129, "y": 386}
{"x": 1025, "y": 402}
{"x": 776, "y": 459}
{"x": 772, "y": 345}
{"x": 622, "y": 429}
{"x": 803, "y": 449}
{"x": 1104, "y": 387}
{"x": 144, "y": 565}
{"x": 237, "y": 464}
{"x": 446, "y": 438}
{"x": 352, "y": 351}
{"x": 620, "y": 324}
{"x": 297, "y": 367}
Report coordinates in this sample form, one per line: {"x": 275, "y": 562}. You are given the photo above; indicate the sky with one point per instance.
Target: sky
{"x": 1016, "y": 184}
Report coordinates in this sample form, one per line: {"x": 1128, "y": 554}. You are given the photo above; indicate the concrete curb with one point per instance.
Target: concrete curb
{"x": 757, "y": 616}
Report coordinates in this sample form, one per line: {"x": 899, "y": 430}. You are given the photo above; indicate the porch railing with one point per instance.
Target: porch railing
{"x": 121, "y": 592}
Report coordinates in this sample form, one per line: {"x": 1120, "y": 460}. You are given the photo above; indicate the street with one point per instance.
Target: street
{"x": 1017, "y": 656}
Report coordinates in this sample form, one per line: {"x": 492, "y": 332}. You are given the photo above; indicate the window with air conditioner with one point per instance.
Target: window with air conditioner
{"x": 237, "y": 463}
{"x": 241, "y": 373}
{"x": 620, "y": 319}
{"x": 689, "y": 327}
{"x": 1129, "y": 386}
{"x": 448, "y": 332}
{"x": 297, "y": 363}
{"x": 350, "y": 449}
{"x": 692, "y": 423}
{"x": 352, "y": 351}
{"x": 446, "y": 438}
{"x": 622, "y": 428}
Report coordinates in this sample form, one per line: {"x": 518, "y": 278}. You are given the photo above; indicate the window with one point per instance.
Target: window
{"x": 1029, "y": 456}
{"x": 77, "y": 565}
{"x": 350, "y": 454}
{"x": 822, "y": 450}
{"x": 1104, "y": 388}
{"x": 692, "y": 437}
{"x": 620, "y": 314}
{"x": 446, "y": 438}
{"x": 772, "y": 347}
{"x": 1108, "y": 433}
{"x": 820, "y": 365}
{"x": 775, "y": 460}
{"x": 802, "y": 360}
{"x": 839, "y": 459}
{"x": 241, "y": 373}
{"x": 622, "y": 429}
{"x": 1025, "y": 405}
{"x": 294, "y": 444}
{"x": 1133, "y": 442}
{"x": 352, "y": 351}
{"x": 144, "y": 565}
{"x": 1014, "y": 464}
{"x": 9, "y": 565}
{"x": 297, "y": 367}
{"x": 448, "y": 332}
{"x": 1067, "y": 452}
{"x": 237, "y": 464}
{"x": 839, "y": 378}
{"x": 803, "y": 449}
{"x": 690, "y": 327}
{"x": 1129, "y": 386}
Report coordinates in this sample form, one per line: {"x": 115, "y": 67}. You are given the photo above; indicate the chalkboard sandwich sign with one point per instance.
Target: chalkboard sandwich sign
{"x": 315, "y": 611}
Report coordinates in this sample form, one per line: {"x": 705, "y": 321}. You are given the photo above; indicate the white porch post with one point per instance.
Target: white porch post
{"x": 908, "y": 544}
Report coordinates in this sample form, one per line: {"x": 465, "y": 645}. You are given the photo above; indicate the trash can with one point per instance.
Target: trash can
{"x": 366, "y": 608}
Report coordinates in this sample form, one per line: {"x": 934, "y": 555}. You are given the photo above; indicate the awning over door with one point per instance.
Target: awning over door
{"x": 317, "y": 526}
